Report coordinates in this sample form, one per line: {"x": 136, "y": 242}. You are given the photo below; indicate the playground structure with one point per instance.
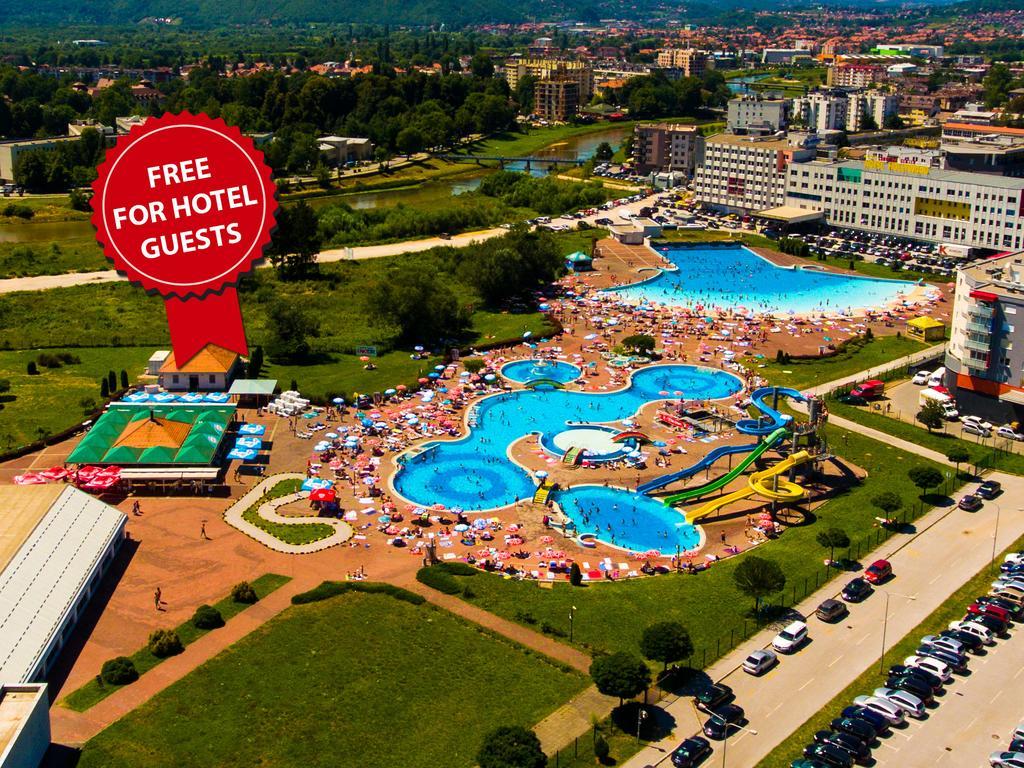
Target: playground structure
{"x": 543, "y": 492}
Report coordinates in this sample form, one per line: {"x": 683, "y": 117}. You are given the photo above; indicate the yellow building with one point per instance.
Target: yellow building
{"x": 926, "y": 329}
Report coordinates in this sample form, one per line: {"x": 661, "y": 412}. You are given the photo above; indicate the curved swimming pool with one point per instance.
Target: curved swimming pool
{"x": 475, "y": 472}
{"x": 531, "y": 370}
{"x": 732, "y": 276}
{"x": 628, "y": 520}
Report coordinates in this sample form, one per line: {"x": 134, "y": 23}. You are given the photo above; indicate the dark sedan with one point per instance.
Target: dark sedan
{"x": 972, "y": 643}
{"x": 933, "y": 681}
{"x": 856, "y": 590}
{"x": 855, "y": 726}
{"x": 830, "y": 755}
{"x": 913, "y": 685}
{"x": 857, "y": 749}
{"x": 989, "y": 489}
{"x": 691, "y": 752}
{"x": 956, "y": 661}
{"x": 970, "y": 503}
{"x": 710, "y": 697}
{"x": 875, "y": 720}
{"x": 723, "y": 721}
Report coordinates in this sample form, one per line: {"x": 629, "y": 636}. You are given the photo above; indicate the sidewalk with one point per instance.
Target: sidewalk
{"x": 870, "y": 373}
{"x": 950, "y": 547}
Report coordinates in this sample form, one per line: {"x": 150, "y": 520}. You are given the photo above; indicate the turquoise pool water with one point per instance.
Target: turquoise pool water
{"x": 475, "y": 473}
{"x": 628, "y": 520}
{"x": 529, "y": 370}
{"x": 734, "y": 277}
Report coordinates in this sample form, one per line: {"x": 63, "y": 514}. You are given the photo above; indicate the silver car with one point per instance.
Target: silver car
{"x": 946, "y": 643}
{"x": 973, "y": 628}
{"x": 910, "y": 704}
{"x": 893, "y": 713}
{"x": 760, "y": 661}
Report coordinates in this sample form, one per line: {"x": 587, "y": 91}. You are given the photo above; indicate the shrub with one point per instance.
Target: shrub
{"x": 526, "y": 617}
{"x": 119, "y": 671}
{"x": 207, "y": 617}
{"x": 243, "y": 592}
{"x": 164, "y": 643}
{"x": 575, "y": 575}
{"x": 48, "y": 361}
{"x": 32, "y": 369}
{"x": 436, "y": 578}
{"x": 601, "y": 748}
{"x": 550, "y": 629}
{"x": 328, "y": 589}
{"x": 67, "y": 358}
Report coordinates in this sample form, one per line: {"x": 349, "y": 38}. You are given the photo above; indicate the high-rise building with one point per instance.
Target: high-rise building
{"x": 985, "y": 355}
{"x": 665, "y": 147}
{"x": 693, "y": 63}
{"x": 752, "y": 113}
{"x": 746, "y": 173}
{"x": 876, "y": 104}
{"x": 517, "y": 68}
{"x": 823, "y": 111}
{"x": 557, "y": 99}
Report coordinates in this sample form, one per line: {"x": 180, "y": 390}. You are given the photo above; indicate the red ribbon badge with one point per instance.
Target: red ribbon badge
{"x": 183, "y": 206}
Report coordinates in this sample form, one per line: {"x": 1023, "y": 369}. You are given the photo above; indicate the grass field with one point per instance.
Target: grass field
{"x": 870, "y": 269}
{"x": 55, "y": 399}
{"x": 356, "y": 681}
{"x": 46, "y": 207}
{"x": 92, "y": 692}
{"x": 807, "y": 373}
{"x": 984, "y": 455}
{"x": 75, "y": 254}
{"x": 610, "y": 617}
{"x": 872, "y": 678}
{"x": 293, "y": 533}
{"x": 717, "y": 236}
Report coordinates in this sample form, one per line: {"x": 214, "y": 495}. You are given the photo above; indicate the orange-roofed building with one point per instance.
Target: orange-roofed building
{"x": 212, "y": 369}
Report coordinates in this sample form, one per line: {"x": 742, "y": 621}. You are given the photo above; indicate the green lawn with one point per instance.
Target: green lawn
{"x": 46, "y": 207}
{"x": 610, "y": 617}
{"x": 52, "y": 401}
{"x": 870, "y": 269}
{"x": 808, "y": 373}
{"x": 359, "y": 680}
{"x": 289, "y": 533}
{"x": 716, "y": 236}
{"x": 76, "y": 254}
{"x": 987, "y": 455}
{"x": 872, "y": 678}
{"x": 93, "y": 692}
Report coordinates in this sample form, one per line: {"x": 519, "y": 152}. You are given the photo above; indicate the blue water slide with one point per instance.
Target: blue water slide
{"x": 707, "y": 461}
{"x": 771, "y": 418}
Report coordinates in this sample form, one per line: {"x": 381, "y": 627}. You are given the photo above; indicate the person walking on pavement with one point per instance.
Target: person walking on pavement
{"x": 202, "y": 531}
{"x": 157, "y": 602}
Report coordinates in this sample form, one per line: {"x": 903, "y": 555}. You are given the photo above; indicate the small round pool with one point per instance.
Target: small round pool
{"x": 627, "y": 520}
{"x": 595, "y": 440}
{"x": 530, "y": 370}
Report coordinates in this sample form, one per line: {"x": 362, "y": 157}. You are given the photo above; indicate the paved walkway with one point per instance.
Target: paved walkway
{"x": 75, "y": 728}
{"x": 949, "y": 547}
{"x": 573, "y": 719}
{"x": 870, "y": 373}
{"x": 268, "y": 511}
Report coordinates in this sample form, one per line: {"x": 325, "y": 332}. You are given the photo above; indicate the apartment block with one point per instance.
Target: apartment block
{"x": 661, "y": 147}
{"x": 516, "y": 68}
{"x": 691, "y": 62}
{"x": 752, "y": 113}
{"x": 556, "y": 100}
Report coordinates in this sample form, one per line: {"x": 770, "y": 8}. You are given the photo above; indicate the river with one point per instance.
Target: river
{"x": 576, "y": 147}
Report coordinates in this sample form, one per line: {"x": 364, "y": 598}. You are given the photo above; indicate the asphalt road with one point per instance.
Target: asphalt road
{"x": 949, "y": 547}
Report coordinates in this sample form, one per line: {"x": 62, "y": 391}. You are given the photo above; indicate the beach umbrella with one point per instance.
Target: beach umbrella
{"x": 422, "y": 380}
{"x": 433, "y": 375}
{"x": 54, "y": 473}
{"x": 438, "y": 367}
{"x": 331, "y": 435}
{"x": 252, "y": 429}
{"x": 527, "y": 334}
{"x": 490, "y": 377}
{"x": 390, "y": 391}
{"x": 323, "y": 494}
{"x": 364, "y": 358}
{"x": 401, "y": 387}
{"x": 338, "y": 400}
{"x": 461, "y": 527}
{"x": 541, "y": 474}
{"x": 29, "y": 478}
{"x": 418, "y": 348}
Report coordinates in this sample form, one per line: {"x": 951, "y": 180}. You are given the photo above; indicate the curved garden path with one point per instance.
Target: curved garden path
{"x": 268, "y": 511}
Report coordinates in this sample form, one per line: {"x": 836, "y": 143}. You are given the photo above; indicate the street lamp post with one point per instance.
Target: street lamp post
{"x": 885, "y": 625}
{"x": 572, "y": 615}
{"x": 995, "y": 534}
{"x": 725, "y": 739}
{"x": 641, "y": 716}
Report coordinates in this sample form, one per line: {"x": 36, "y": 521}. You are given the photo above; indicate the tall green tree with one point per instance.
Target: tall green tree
{"x": 296, "y": 241}
{"x": 290, "y": 329}
{"x": 758, "y": 577}
{"x": 620, "y": 674}
{"x": 925, "y": 478}
{"x": 831, "y": 538}
{"x": 511, "y": 746}
{"x": 667, "y": 642}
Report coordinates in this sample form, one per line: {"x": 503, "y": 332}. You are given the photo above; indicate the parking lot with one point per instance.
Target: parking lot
{"x": 975, "y": 717}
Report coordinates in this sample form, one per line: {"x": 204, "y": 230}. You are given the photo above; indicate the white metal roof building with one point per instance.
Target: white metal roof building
{"x": 57, "y": 543}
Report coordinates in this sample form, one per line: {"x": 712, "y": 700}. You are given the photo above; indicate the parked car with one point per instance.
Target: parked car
{"x": 980, "y": 631}
{"x": 970, "y": 641}
{"x": 851, "y": 399}
{"x": 722, "y": 721}
{"x": 1007, "y": 759}
{"x": 878, "y": 572}
{"x": 970, "y": 503}
{"x": 1009, "y": 593}
{"x": 1012, "y": 610}
{"x": 808, "y": 762}
{"x": 954, "y": 661}
{"x": 913, "y": 685}
{"x": 992, "y": 623}
{"x": 790, "y": 638}
{"x": 853, "y": 746}
{"x": 856, "y": 590}
{"x": 759, "y": 661}
{"x": 932, "y": 680}
{"x": 691, "y": 752}
{"x": 946, "y": 643}
{"x": 978, "y": 422}
{"x": 831, "y": 610}
{"x": 870, "y": 389}
{"x": 829, "y": 755}
{"x": 855, "y": 726}
{"x": 975, "y": 429}
{"x": 921, "y": 378}
{"x": 874, "y": 719}
{"x": 938, "y": 668}
{"x": 989, "y": 489}
{"x": 893, "y": 713}
{"x": 910, "y": 703}
{"x": 712, "y": 696}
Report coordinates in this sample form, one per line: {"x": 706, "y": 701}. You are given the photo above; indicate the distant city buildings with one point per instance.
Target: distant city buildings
{"x": 339, "y": 150}
{"x": 756, "y": 114}
{"x": 690, "y": 62}
{"x": 516, "y": 68}
{"x": 556, "y": 99}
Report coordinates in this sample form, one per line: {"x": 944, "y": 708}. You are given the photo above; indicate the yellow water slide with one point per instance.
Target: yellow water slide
{"x": 767, "y": 483}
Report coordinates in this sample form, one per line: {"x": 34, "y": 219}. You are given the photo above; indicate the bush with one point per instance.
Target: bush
{"x": 575, "y": 575}
{"x": 244, "y": 593}
{"x": 207, "y": 617}
{"x": 601, "y": 748}
{"x": 328, "y": 589}
{"x": 436, "y": 578}
{"x": 32, "y": 369}
{"x": 164, "y": 643}
{"x": 21, "y": 211}
{"x": 48, "y": 361}
{"x": 119, "y": 671}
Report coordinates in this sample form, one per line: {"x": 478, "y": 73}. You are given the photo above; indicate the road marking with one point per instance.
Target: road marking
{"x": 835, "y": 661}
{"x": 863, "y": 638}
{"x": 805, "y": 684}
{"x": 936, "y": 578}
{"x": 1019, "y": 673}
{"x": 993, "y": 699}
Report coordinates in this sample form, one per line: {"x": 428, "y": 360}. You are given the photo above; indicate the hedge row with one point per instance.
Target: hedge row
{"x": 442, "y": 576}
{"x": 328, "y": 589}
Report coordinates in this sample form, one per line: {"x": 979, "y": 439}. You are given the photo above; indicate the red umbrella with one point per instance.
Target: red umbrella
{"x": 323, "y": 494}
{"x": 54, "y": 473}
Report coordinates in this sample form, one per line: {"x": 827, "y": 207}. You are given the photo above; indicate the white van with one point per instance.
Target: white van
{"x": 791, "y": 638}
{"x": 938, "y": 375}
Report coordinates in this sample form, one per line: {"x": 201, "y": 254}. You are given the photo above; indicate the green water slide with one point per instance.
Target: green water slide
{"x": 720, "y": 482}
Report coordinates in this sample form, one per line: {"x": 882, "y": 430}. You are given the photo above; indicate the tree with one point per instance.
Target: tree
{"x": 931, "y": 415}
{"x": 112, "y": 382}
{"x": 511, "y": 746}
{"x": 667, "y": 642}
{"x": 575, "y": 574}
{"x": 604, "y": 151}
{"x": 640, "y": 343}
{"x": 32, "y": 369}
{"x": 832, "y": 538}
{"x": 5, "y": 386}
{"x": 296, "y": 242}
{"x": 958, "y": 455}
{"x": 758, "y": 577}
{"x": 473, "y": 364}
{"x": 925, "y": 478}
{"x": 290, "y": 329}
{"x": 601, "y": 749}
{"x": 868, "y": 122}
{"x": 124, "y": 379}
{"x": 620, "y": 674}
{"x": 322, "y": 174}
{"x": 893, "y": 122}
{"x": 888, "y": 502}
{"x": 104, "y": 387}
{"x": 482, "y": 66}
{"x": 419, "y": 303}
